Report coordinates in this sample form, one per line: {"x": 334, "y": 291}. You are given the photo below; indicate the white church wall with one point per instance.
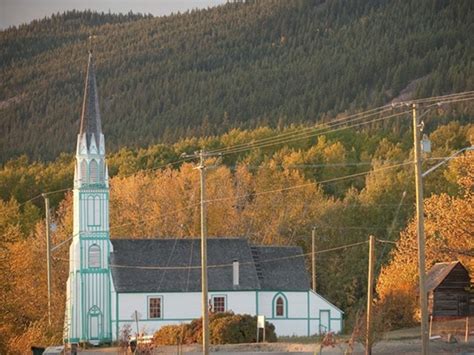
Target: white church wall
{"x": 177, "y": 307}
{"x": 294, "y": 320}
{"x": 239, "y": 302}
{"x": 325, "y": 317}
{"x": 290, "y": 327}
{"x": 306, "y": 313}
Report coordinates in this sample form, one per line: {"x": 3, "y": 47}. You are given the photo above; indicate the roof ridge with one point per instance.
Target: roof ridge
{"x": 184, "y": 238}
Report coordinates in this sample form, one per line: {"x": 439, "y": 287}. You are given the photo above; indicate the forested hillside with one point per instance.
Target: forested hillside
{"x": 238, "y": 65}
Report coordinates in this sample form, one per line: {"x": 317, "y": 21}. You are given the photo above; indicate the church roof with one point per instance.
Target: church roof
{"x": 167, "y": 265}
{"x": 90, "y": 117}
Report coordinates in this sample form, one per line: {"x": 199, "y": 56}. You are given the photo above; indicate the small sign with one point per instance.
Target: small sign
{"x": 260, "y": 325}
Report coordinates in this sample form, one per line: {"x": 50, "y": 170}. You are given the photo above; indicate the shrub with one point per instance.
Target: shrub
{"x": 224, "y": 328}
{"x": 169, "y": 334}
{"x": 398, "y": 309}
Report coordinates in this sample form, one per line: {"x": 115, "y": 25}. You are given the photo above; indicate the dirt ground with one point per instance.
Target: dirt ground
{"x": 406, "y": 346}
{"x": 404, "y": 341}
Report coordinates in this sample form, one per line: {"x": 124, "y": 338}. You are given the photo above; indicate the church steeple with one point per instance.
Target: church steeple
{"x": 88, "y": 307}
{"x": 90, "y": 117}
{"x": 90, "y": 151}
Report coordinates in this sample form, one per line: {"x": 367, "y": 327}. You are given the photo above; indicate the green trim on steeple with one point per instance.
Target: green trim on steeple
{"x": 90, "y": 283}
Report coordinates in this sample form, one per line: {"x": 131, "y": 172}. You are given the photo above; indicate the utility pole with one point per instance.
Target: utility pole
{"x": 370, "y": 295}
{"x": 313, "y": 257}
{"x": 420, "y": 231}
{"x": 48, "y": 254}
{"x": 205, "y": 310}
{"x": 205, "y": 313}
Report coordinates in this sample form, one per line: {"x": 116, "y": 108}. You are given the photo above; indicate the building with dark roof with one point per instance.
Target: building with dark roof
{"x": 448, "y": 285}
{"x": 156, "y": 282}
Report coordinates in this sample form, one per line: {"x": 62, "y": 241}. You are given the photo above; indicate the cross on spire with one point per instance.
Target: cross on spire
{"x": 91, "y": 42}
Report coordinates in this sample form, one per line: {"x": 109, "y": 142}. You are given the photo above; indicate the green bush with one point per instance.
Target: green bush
{"x": 239, "y": 328}
{"x": 224, "y": 328}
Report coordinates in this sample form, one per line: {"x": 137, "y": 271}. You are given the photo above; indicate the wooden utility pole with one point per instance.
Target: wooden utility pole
{"x": 370, "y": 295}
{"x": 420, "y": 231}
{"x": 313, "y": 257}
{"x": 204, "y": 305}
{"x": 466, "y": 334}
{"x": 205, "y": 313}
{"x": 48, "y": 254}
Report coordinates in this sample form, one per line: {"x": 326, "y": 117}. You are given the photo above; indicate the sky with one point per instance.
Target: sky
{"x": 16, "y": 12}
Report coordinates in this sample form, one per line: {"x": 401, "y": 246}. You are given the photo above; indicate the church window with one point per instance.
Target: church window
{"x": 280, "y": 307}
{"x": 101, "y": 172}
{"x": 154, "y": 307}
{"x": 83, "y": 170}
{"x": 94, "y": 256}
{"x": 93, "y": 211}
{"x": 93, "y": 171}
{"x": 218, "y": 304}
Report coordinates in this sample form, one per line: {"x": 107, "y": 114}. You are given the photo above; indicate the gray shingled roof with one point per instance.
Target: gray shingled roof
{"x": 133, "y": 262}
{"x": 90, "y": 117}
{"x": 282, "y": 267}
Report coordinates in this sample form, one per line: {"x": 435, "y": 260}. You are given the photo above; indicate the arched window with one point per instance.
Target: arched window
{"x": 94, "y": 256}
{"x": 93, "y": 171}
{"x": 280, "y": 307}
{"x": 83, "y": 171}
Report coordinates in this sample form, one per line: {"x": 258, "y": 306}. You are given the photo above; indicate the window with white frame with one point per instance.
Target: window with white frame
{"x": 218, "y": 304}
{"x": 154, "y": 307}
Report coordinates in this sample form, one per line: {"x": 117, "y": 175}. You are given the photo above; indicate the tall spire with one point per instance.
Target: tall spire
{"x": 90, "y": 118}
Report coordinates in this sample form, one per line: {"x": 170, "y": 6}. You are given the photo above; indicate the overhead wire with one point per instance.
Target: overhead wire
{"x": 213, "y": 266}
{"x": 305, "y": 135}
{"x": 452, "y": 98}
{"x": 345, "y": 120}
{"x": 367, "y": 113}
{"x": 309, "y": 183}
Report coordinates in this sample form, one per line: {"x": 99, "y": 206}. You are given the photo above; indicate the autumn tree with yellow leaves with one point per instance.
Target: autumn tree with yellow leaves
{"x": 449, "y": 233}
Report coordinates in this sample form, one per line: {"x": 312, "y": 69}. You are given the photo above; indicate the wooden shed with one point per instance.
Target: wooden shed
{"x": 448, "y": 287}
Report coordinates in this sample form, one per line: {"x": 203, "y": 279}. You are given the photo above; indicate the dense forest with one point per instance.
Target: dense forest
{"x": 239, "y": 65}
{"x": 349, "y": 183}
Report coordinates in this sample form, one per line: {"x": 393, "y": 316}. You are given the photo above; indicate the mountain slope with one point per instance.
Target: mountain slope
{"x": 237, "y": 65}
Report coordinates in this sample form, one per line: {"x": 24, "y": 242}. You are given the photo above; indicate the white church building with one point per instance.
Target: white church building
{"x": 112, "y": 280}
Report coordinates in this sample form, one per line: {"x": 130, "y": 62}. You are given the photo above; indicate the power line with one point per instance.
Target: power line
{"x": 386, "y": 241}
{"x": 42, "y": 194}
{"x": 294, "y": 166}
{"x": 310, "y": 183}
{"x": 305, "y": 135}
{"x": 165, "y": 268}
{"x": 292, "y": 136}
{"x": 286, "y": 136}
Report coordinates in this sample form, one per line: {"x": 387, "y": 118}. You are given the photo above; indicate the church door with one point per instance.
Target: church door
{"x": 324, "y": 319}
{"x": 95, "y": 323}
